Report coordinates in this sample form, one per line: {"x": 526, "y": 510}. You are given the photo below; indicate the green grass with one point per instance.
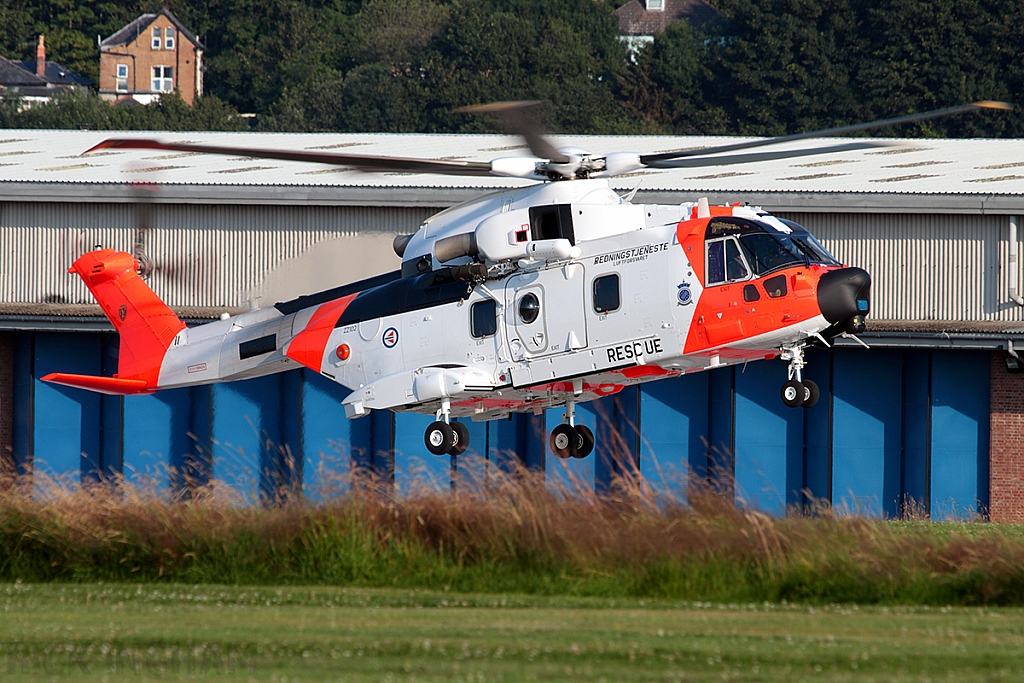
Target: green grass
{"x": 145, "y": 631}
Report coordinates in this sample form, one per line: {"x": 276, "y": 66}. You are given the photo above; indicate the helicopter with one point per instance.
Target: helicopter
{"x": 521, "y": 300}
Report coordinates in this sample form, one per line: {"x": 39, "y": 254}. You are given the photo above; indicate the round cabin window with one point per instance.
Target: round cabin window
{"x": 529, "y": 308}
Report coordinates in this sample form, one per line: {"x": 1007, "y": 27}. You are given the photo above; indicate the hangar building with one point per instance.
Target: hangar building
{"x": 929, "y": 420}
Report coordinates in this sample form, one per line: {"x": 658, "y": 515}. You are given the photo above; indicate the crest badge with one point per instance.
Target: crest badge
{"x": 684, "y": 296}
{"x": 122, "y": 312}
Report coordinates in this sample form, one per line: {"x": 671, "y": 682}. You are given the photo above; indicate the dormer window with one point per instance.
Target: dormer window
{"x": 655, "y": 5}
{"x": 157, "y": 32}
{"x": 169, "y": 38}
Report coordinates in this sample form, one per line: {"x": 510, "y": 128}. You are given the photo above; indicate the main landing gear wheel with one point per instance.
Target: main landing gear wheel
{"x": 804, "y": 394}
{"x": 811, "y": 393}
{"x": 793, "y": 393}
{"x": 564, "y": 441}
{"x": 586, "y": 441}
{"x": 461, "y": 434}
{"x": 439, "y": 438}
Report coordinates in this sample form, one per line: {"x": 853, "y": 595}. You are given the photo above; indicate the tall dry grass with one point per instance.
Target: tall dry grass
{"x": 502, "y": 533}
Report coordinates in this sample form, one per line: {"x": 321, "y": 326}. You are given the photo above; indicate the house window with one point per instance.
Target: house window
{"x": 655, "y": 5}
{"x": 156, "y": 37}
{"x": 169, "y": 38}
{"x": 121, "y": 82}
{"x": 163, "y": 78}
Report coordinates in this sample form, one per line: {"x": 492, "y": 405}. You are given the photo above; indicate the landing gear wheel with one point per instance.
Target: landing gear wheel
{"x": 586, "y": 441}
{"x": 811, "y": 393}
{"x": 461, "y": 435}
{"x": 439, "y": 438}
{"x": 564, "y": 440}
{"x": 793, "y": 393}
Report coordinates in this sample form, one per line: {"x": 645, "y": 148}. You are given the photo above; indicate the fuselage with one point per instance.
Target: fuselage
{"x": 526, "y": 299}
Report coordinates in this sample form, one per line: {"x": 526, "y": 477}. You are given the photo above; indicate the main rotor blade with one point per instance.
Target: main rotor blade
{"x": 649, "y": 159}
{"x": 753, "y": 157}
{"x": 358, "y": 161}
{"x": 513, "y": 115}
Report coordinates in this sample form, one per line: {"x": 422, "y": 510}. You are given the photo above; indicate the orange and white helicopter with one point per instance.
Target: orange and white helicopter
{"x": 520, "y": 300}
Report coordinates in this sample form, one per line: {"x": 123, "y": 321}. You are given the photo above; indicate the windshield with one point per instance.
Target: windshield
{"x": 766, "y": 252}
{"x": 771, "y": 250}
{"x": 809, "y": 245}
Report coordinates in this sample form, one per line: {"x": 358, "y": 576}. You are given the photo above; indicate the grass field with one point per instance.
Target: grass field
{"x": 95, "y": 632}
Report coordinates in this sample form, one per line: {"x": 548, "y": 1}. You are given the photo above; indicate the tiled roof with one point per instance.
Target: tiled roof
{"x": 138, "y": 27}
{"x": 56, "y": 74}
{"x": 634, "y": 20}
{"x": 13, "y": 75}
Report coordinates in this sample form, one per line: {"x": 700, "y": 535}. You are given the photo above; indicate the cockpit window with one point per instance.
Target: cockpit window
{"x": 810, "y": 245}
{"x": 735, "y": 268}
{"x": 725, "y": 262}
{"x": 765, "y": 246}
{"x": 768, "y": 252}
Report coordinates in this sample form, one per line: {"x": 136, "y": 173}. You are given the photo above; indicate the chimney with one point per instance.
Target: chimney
{"x": 41, "y": 58}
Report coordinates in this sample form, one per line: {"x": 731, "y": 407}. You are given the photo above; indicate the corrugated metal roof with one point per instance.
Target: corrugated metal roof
{"x": 920, "y": 166}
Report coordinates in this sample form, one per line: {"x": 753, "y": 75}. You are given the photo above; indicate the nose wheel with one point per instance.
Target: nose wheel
{"x": 570, "y": 440}
{"x": 444, "y": 437}
{"x": 797, "y": 391}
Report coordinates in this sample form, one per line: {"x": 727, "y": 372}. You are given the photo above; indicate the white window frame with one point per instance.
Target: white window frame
{"x": 725, "y": 264}
{"x": 169, "y": 38}
{"x": 654, "y": 5}
{"x": 160, "y": 81}
{"x": 157, "y": 34}
{"x": 121, "y": 78}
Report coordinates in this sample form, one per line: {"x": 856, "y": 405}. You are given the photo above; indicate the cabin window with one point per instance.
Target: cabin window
{"x": 484, "y": 318}
{"x": 257, "y": 347}
{"x": 169, "y": 38}
{"x": 156, "y": 37}
{"x": 751, "y": 294}
{"x": 606, "y": 293}
{"x": 529, "y": 308}
{"x": 725, "y": 262}
{"x": 775, "y": 286}
{"x": 552, "y": 222}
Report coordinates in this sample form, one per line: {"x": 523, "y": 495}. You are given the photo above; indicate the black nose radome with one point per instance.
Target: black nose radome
{"x": 844, "y": 294}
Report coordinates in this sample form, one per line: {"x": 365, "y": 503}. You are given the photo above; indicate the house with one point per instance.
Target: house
{"x": 641, "y": 20}
{"x": 152, "y": 55}
{"x": 39, "y": 80}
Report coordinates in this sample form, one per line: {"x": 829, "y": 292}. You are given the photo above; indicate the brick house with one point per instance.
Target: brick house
{"x": 641, "y": 20}
{"x": 152, "y": 55}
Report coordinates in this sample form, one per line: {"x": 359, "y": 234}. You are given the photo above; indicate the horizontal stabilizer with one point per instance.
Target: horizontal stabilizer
{"x": 104, "y": 385}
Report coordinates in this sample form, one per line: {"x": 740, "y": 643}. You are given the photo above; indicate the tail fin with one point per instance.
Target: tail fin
{"x": 145, "y": 323}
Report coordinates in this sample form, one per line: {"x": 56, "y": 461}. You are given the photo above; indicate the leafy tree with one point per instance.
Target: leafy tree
{"x": 76, "y": 109}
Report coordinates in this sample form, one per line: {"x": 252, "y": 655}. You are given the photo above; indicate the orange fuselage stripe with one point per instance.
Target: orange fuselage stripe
{"x": 309, "y": 345}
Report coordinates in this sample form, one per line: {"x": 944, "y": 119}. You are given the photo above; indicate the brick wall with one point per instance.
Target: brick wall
{"x": 1006, "y": 460}
{"x": 6, "y": 397}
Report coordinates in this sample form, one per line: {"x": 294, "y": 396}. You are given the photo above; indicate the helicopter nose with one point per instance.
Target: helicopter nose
{"x": 844, "y": 298}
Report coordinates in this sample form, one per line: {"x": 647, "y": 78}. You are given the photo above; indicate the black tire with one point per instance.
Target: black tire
{"x": 439, "y": 438}
{"x": 793, "y": 393}
{"x": 563, "y": 441}
{"x": 586, "y": 441}
{"x": 811, "y": 393}
{"x": 461, "y": 435}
